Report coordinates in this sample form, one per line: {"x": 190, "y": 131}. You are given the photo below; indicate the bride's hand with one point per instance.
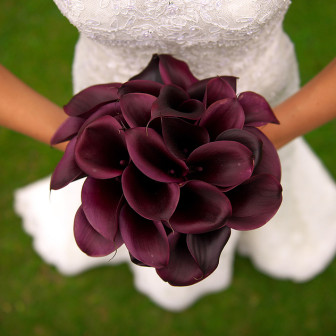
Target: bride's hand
{"x": 311, "y": 107}
{"x": 24, "y": 110}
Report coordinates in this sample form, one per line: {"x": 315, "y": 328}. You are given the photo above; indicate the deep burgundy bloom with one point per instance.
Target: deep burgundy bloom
{"x": 172, "y": 164}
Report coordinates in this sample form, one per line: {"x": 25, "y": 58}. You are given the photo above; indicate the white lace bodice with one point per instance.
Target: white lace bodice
{"x": 183, "y": 22}
{"x": 232, "y": 37}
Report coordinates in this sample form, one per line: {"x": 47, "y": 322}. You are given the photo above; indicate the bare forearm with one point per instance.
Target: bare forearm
{"x": 311, "y": 107}
{"x": 24, "y": 110}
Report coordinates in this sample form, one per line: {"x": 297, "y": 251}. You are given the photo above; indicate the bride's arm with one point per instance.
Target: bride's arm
{"x": 311, "y": 107}
{"x": 24, "y": 110}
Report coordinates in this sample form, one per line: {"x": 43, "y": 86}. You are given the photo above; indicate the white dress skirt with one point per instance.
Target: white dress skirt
{"x": 243, "y": 38}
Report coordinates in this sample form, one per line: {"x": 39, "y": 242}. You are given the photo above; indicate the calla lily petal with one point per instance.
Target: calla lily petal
{"x": 67, "y": 130}
{"x": 140, "y": 86}
{"x": 257, "y": 110}
{"x": 150, "y": 199}
{"x": 175, "y": 102}
{"x": 174, "y": 71}
{"x": 100, "y": 201}
{"x": 136, "y": 261}
{"x": 218, "y": 89}
{"x": 151, "y": 156}
{"x": 202, "y": 208}
{"x": 67, "y": 169}
{"x": 255, "y": 202}
{"x": 182, "y": 269}
{"x": 223, "y": 163}
{"x": 151, "y": 71}
{"x": 111, "y": 109}
{"x": 90, "y": 97}
{"x": 252, "y": 142}
{"x": 146, "y": 240}
{"x": 181, "y": 137}
{"x": 90, "y": 241}
{"x": 222, "y": 115}
{"x": 269, "y": 162}
{"x": 197, "y": 90}
{"x": 136, "y": 108}
{"x": 101, "y": 151}
{"x": 206, "y": 248}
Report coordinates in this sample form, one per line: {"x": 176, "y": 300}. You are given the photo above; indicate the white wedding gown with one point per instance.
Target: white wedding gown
{"x": 228, "y": 37}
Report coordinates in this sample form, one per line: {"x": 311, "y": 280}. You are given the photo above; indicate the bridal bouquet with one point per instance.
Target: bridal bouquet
{"x": 172, "y": 164}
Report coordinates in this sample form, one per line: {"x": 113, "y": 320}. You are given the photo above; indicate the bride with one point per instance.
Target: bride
{"x": 241, "y": 38}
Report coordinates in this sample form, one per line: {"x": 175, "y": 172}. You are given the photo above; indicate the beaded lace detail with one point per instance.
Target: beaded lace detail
{"x": 232, "y": 37}
{"x": 162, "y": 22}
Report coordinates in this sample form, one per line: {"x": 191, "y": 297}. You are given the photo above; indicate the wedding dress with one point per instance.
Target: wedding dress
{"x": 243, "y": 38}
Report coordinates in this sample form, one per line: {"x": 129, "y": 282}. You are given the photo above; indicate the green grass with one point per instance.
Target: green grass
{"x": 36, "y": 43}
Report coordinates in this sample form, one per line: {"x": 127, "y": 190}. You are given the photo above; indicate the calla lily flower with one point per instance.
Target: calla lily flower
{"x": 172, "y": 165}
{"x": 222, "y": 115}
{"x": 149, "y": 198}
{"x": 182, "y": 269}
{"x": 101, "y": 200}
{"x": 218, "y": 89}
{"x": 86, "y": 100}
{"x": 90, "y": 241}
{"x": 202, "y": 208}
{"x": 136, "y": 108}
{"x": 151, "y": 156}
{"x": 206, "y": 248}
{"x": 67, "y": 169}
{"x": 146, "y": 240}
{"x": 181, "y": 137}
{"x": 175, "y": 102}
{"x": 101, "y": 149}
{"x": 257, "y": 110}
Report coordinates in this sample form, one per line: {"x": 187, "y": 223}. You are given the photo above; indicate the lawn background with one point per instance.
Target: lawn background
{"x": 36, "y": 43}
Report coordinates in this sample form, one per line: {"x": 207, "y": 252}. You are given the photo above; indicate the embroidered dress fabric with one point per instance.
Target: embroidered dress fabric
{"x": 243, "y": 38}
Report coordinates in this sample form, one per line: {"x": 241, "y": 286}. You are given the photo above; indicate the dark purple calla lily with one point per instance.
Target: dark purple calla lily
{"x": 175, "y": 102}
{"x": 101, "y": 150}
{"x": 181, "y": 137}
{"x": 182, "y": 269}
{"x": 173, "y": 165}
{"x": 100, "y": 203}
{"x": 223, "y": 115}
{"x": 174, "y": 71}
{"x": 151, "y": 156}
{"x": 218, "y": 89}
{"x": 151, "y": 72}
{"x": 255, "y": 202}
{"x": 90, "y": 241}
{"x": 146, "y": 240}
{"x": 248, "y": 139}
{"x": 67, "y": 169}
{"x": 223, "y": 163}
{"x": 140, "y": 86}
{"x": 89, "y": 98}
{"x": 206, "y": 248}
{"x": 202, "y": 208}
{"x": 111, "y": 109}
{"x": 150, "y": 199}
{"x": 67, "y": 130}
{"x": 257, "y": 110}
{"x": 136, "y": 108}
{"x": 197, "y": 89}
{"x": 269, "y": 162}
